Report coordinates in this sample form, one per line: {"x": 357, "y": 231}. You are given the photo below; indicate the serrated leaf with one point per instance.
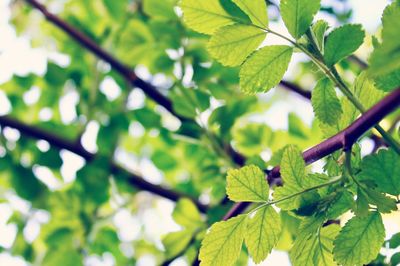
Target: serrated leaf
{"x": 205, "y": 16}
{"x": 360, "y": 240}
{"x": 265, "y": 68}
{"x": 223, "y": 243}
{"x": 384, "y": 204}
{"x": 298, "y": 15}
{"x": 319, "y": 28}
{"x": 247, "y": 184}
{"x": 386, "y": 57}
{"x": 383, "y": 169}
{"x": 342, "y": 42}
{"x": 293, "y": 167}
{"x": 186, "y": 214}
{"x": 365, "y": 90}
{"x": 388, "y": 82}
{"x": 315, "y": 249}
{"x": 293, "y": 173}
{"x": 262, "y": 234}
{"x": 256, "y": 10}
{"x": 231, "y": 45}
{"x": 325, "y": 102}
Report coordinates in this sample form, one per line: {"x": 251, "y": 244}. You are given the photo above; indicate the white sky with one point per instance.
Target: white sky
{"x": 17, "y": 57}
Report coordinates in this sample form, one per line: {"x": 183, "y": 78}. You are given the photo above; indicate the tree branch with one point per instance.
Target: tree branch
{"x": 74, "y": 147}
{"x": 117, "y": 65}
{"x": 343, "y": 140}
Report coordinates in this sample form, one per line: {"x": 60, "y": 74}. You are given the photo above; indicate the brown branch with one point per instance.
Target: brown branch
{"x": 343, "y": 140}
{"x": 74, "y": 147}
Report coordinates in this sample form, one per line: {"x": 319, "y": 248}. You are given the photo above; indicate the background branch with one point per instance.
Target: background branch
{"x": 75, "y": 147}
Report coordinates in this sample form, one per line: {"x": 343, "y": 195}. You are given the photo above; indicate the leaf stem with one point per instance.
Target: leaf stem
{"x": 333, "y": 75}
{"x": 331, "y": 182}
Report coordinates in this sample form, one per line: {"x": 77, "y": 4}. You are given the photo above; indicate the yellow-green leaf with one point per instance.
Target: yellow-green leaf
{"x": 265, "y": 68}
{"x": 325, "y": 102}
{"x": 222, "y": 244}
{"x": 360, "y": 240}
{"x": 205, "y": 16}
{"x": 342, "y": 42}
{"x": 247, "y": 184}
{"x": 263, "y": 232}
{"x": 256, "y": 10}
{"x": 298, "y": 15}
{"x": 231, "y": 45}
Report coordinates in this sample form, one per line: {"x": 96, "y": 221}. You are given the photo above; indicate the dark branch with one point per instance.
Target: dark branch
{"x": 74, "y": 147}
{"x": 343, "y": 140}
{"x": 295, "y": 88}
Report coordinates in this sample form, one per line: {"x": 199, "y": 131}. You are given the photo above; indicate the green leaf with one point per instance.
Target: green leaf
{"x": 366, "y": 92}
{"x": 187, "y": 215}
{"x": 231, "y": 45}
{"x": 256, "y": 10}
{"x": 342, "y": 202}
{"x": 325, "y": 102}
{"x": 265, "y": 68}
{"x": 394, "y": 241}
{"x": 62, "y": 256}
{"x": 386, "y": 57}
{"x": 293, "y": 172}
{"x": 205, "y": 16}
{"x": 222, "y": 245}
{"x": 388, "y": 82}
{"x": 342, "y": 42}
{"x": 116, "y": 8}
{"x": 395, "y": 259}
{"x": 319, "y": 29}
{"x": 360, "y": 240}
{"x": 247, "y": 184}
{"x": 362, "y": 205}
{"x": 383, "y": 169}
{"x": 162, "y": 9}
{"x": 315, "y": 249}
{"x": 298, "y": 15}
{"x": 253, "y": 138}
{"x": 383, "y": 203}
{"x": 293, "y": 167}
{"x": 175, "y": 242}
{"x": 136, "y": 39}
{"x": 262, "y": 234}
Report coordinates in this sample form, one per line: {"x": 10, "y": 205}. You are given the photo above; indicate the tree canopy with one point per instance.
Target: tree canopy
{"x": 211, "y": 132}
